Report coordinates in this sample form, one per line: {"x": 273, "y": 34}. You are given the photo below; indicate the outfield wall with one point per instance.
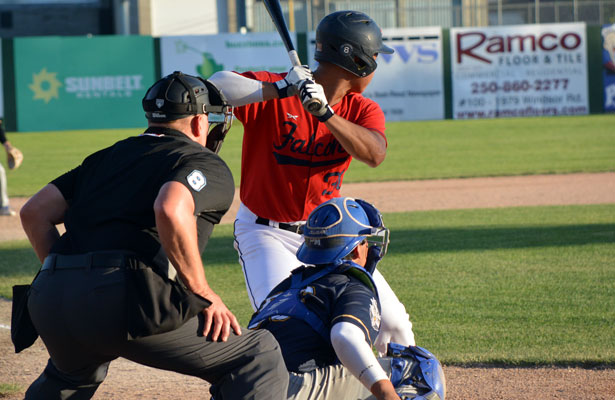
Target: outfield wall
{"x": 59, "y": 83}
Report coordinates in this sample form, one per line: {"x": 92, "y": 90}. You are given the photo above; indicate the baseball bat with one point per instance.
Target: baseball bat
{"x": 275, "y": 12}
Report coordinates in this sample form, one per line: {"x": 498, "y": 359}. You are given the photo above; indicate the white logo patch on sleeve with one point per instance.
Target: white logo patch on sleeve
{"x": 197, "y": 180}
{"x": 374, "y": 314}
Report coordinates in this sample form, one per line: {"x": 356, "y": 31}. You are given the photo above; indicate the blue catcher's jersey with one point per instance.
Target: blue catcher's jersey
{"x": 301, "y": 310}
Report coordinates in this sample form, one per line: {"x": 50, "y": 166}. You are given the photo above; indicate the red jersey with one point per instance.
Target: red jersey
{"x": 291, "y": 162}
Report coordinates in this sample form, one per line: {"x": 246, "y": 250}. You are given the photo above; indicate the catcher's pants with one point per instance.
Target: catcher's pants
{"x": 332, "y": 382}
{"x": 80, "y": 316}
{"x": 4, "y": 194}
{"x": 268, "y": 255}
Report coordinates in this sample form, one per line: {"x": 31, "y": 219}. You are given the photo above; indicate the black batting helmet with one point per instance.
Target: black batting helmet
{"x": 178, "y": 96}
{"x": 350, "y": 39}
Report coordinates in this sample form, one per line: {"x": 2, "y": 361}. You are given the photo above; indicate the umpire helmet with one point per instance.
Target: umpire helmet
{"x": 337, "y": 226}
{"x": 178, "y": 96}
{"x": 350, "y": 39}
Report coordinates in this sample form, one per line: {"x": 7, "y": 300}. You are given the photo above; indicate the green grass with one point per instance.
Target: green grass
{"x": 493, "y": 147}
{"x": 417, "y": 150}
{"x": 7, "y": 389}
{"x": 512, "y": 286}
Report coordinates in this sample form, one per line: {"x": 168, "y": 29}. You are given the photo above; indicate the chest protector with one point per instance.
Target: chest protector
{"x": 288, "y": 303}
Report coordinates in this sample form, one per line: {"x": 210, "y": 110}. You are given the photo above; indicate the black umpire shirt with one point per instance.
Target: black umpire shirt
{"x": 334, "y": 298}
{"x": 111, "y": 194}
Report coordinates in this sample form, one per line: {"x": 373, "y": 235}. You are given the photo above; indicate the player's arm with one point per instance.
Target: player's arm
{"x": 361, "y": 143}
{"x": 356, "y": 355}
{"x": 39, "y": 217}
{"x": 176, "y": 223}
{"x": 240, "y": 90}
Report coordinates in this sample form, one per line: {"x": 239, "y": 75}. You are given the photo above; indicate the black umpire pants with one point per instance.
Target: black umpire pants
{"x": 80, "y": 316}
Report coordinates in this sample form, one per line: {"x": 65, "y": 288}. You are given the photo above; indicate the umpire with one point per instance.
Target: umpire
{"x": 126, "y": 279}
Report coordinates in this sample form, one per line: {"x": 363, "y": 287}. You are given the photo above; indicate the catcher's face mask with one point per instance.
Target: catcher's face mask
{"x": 379, "y": 233}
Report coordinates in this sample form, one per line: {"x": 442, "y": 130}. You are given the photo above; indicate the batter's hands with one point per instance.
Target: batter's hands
{"x": 219, "y": 320}
{"x": 314, "y": 100}
{"x": 287, "y": 87}
{"x": 298, "y": 74}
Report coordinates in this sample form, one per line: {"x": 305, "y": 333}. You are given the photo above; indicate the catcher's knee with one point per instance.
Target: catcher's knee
{"x": 414, "y": 372}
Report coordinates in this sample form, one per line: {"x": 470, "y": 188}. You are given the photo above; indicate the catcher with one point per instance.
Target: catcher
{"x": 14, "y": 158}
{"x": 325, "y": 316}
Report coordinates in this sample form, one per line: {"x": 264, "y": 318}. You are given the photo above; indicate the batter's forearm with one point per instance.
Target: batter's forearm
{"x": 362, "y": 144}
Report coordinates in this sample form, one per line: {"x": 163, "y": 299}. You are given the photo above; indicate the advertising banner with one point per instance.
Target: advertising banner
{"x": 82, "y": 82}
{"x": 608, "y": 66}
{"x": 521, "y": 70}
{"x": 408, "y": 84}
{"x": 205, "y": 54}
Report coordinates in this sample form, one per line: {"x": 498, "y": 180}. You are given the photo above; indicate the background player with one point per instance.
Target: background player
{"x": 14, "y": 158}
{"x": 292, "y": 160}
{"x": 325, "y": 317}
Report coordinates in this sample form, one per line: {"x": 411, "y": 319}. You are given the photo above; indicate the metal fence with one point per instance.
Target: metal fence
{"x": 444, "y": 13}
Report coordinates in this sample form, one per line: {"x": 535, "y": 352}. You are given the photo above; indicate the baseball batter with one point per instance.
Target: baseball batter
{"x": 294, "y": 160}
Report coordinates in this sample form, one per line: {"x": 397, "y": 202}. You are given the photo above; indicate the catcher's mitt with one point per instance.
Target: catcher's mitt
{"x": 14, "y": 157}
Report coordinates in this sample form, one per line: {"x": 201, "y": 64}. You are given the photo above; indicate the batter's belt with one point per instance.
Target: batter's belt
{"x": 295, "y": 228}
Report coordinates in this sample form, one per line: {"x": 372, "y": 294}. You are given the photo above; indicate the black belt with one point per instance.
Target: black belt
{"x": 296, "y": 228}
{"x": 88, "y": 260}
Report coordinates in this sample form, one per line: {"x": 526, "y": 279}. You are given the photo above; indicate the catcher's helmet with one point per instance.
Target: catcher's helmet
{"x": 178, "y": 96}
{"x": 337, "y": 226}
{"x": 350, "y": 39}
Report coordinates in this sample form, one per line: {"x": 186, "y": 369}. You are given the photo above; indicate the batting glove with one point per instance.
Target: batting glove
{"x": 314, "y": 100}
{"x": 288, "y": 86}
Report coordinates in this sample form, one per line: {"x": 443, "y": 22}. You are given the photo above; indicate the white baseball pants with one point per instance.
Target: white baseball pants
{"x": 4, "y": 194}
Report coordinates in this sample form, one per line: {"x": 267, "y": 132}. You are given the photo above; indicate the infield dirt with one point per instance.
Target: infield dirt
{"x": 127, "y": 380}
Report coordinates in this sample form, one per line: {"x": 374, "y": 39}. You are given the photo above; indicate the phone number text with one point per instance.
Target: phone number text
{"x": 538, "y": 85}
